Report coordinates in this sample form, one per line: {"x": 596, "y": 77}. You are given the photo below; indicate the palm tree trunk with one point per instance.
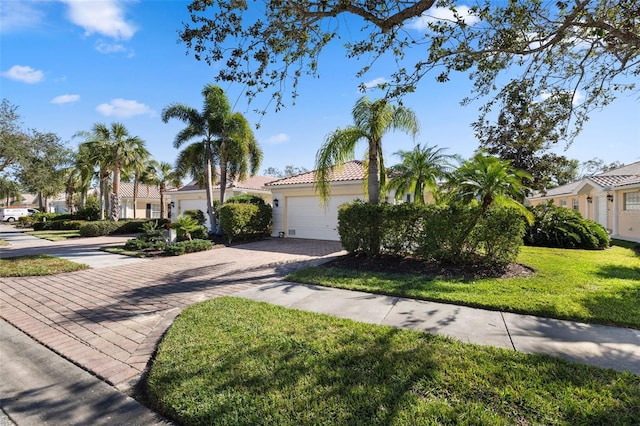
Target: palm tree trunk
{"x": 135, "y": 195}
{"x": 115, "y": 195}
{"x": 209, "y": 190}
{"x": 163, "y": 188}
{"x": 374, "y": 173}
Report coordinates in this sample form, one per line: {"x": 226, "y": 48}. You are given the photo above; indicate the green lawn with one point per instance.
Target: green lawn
{"x": 54, "y": 235}
{"x": 41, "y": 264}
{"x": 233, "y": 361}
{"x": 592, "y": 286}
{"x": 3, "y": 243}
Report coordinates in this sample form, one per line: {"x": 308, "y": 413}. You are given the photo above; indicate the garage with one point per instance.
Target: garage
{"x": 307, "y": 218}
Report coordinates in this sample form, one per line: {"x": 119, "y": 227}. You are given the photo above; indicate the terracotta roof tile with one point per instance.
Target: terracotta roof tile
{"x": 615, "y": 180}
{"x": 251, "y": 183}
{"x": 351, "y": 171}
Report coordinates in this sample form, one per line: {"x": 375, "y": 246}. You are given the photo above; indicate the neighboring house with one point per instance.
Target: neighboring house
{"x": 611, "y": 199}
{"x": 147, "y": 204}
{"x": 298, "y": 211}
{"x": 192, "y": 197}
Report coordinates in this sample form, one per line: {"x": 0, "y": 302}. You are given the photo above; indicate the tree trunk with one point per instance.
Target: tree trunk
{"x": 135, "y": 196}
{"x": 162, "y": 190}
{"x": 373, "y": 180}
{"x": 209, "y": 190}
{"x": 115, "y": 196}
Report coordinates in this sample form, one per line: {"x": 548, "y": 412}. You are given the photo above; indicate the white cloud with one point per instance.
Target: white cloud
{"x": 124, "y": 108}
{"x": 441, "y": 15}
{"x": 104, "y": 17}
{"x": 278, "y": 139}
{"x": 65, "y": 99}
{"x": 374, "y": 83}
{"x": 106, "y": 48}
{"x": 24, "y": 74}
{"x": 17, "y": 15}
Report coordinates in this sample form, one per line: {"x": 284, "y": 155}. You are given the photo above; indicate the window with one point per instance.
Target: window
{"x": 408, "y": 198}
{"x": 155, "y": 211}
{"x": 563, "y": 203}
{"x": 631, "y": 200}
{"x": 576, "y": 203}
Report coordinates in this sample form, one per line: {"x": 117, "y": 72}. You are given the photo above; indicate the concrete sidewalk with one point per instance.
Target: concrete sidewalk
{"x": 608, "y": 347}
{"x": 80, "y": 250}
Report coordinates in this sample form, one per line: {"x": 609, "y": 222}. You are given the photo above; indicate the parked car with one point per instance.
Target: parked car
{"x": 11, "y": 214}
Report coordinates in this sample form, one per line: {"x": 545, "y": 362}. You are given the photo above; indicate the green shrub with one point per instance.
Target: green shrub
{"x": 58, "y": 225}
{"x": 184, "y": 226}
{"x": 98, "y": 228}
{"x": 135, "y": 226}
{"x": 245, "y": 220}
{"x": 27, "y": 221}
{"x": 246, "y": 199}
{"x": 498, "y": 235}
{"x": 90, "y": 212}
{"x": 564, "y": 228}
{"x": 360, "y": 227}
{"x": 136, "y": 244}
{"x": 198, "y": 215}
{"x": 431, "y": 232}
{"x": 192, "y": 246}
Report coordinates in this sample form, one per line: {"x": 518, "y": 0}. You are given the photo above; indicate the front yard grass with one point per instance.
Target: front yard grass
{"x": 133, "y": 253}
{"x": 234, "y": 361}
{"x": 40, "y": 264}
{"x": 591, "y": 286}
{"x": 3, "y": 243}
{"x": 54, "y": 235}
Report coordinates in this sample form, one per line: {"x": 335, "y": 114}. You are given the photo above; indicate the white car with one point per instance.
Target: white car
{"x": 11, "y": 214}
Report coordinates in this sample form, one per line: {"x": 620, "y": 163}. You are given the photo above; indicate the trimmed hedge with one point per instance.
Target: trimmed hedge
{"x": 431, "y": 232}
{"x": 561, "y": 227}
{"x": 58, "y": 225}
{"x": 192, "y": 246}
{"x": 98, "y": 228}
{"x": 245, "y": 220}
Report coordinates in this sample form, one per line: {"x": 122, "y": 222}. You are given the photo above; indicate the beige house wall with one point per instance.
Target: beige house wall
{"x": 628, "y": 223}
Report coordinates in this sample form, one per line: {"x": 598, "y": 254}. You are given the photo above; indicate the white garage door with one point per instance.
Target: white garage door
{"x": 185, "y": 205}
{"x": 307, "y": 218}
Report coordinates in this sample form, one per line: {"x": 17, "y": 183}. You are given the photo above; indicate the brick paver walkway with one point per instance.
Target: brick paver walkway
{"x": 109, "y": 320}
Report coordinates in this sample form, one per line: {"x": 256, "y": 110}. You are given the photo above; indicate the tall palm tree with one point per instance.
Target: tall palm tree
{"x": 95, "y": 153}
{"x": 85, "y": 169}
{"x": 164, "y": 176}
{"x": 419, "y": 170}
{"x": 124, "y": 151}
{"x": 224, "y": 137}
{"x": 239, "y": 152}
{"x": 136, "y": 169}
{"x": 372, "y": 120}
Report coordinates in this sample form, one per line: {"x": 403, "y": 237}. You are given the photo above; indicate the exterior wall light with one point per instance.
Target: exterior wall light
{"x": 589, "y": 199}
{"x": 276, "y": 202}
{"x": 610, "y": 198}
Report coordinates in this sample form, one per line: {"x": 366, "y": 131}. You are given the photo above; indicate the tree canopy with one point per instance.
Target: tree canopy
{"x": 565, "y": 48}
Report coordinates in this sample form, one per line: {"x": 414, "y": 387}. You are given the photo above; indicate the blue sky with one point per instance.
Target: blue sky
{"x": 69, "y": 64}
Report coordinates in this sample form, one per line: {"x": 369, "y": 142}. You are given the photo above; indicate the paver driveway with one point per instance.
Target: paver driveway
{"x": 109, "y": 320}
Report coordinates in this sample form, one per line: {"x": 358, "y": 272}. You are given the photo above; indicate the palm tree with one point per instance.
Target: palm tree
{"x": 419, "y": 170}
{"x": 224, "y": 137}
{"x": 95, "y": 152}
{"x": 372, "y": 120}
{"x": 124, "y": 151}
{"x": 487, "y": 180}
{"x": 238, "y": 150}
{"x": 137, "y": 167}
{"x": 163, "y": 176}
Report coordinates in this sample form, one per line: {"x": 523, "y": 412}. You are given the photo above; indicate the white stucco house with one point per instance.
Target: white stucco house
{"x": 298, "y": 211}
{"x": 612, "y": 199}
{"x": 192, "y": 197}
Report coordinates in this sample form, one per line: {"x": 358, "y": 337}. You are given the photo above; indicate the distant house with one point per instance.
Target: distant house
{"x": 147, "y": 205}
{"x": 192, "y": 197}
{"x": 611, "y": 199}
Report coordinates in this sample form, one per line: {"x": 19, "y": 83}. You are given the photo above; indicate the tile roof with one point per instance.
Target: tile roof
{"x": 144, "y": 191}
{"x": 615, "y": 180}
{"x": 252, "y": 183}
{"x": 351, "y": 171}
{"x": 560, "y": 190}
{"x": 630, "y": 169}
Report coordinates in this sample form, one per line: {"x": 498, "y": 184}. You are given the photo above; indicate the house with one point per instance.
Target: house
{"x": 299, "y": 213}
{"x": 612, "y": 199}
{"x": 192, "y": 197}
{"x": 147, "y": 205}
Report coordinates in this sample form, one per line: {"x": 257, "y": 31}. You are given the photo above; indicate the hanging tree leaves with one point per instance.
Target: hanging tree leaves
{"x": 562, "y": 48}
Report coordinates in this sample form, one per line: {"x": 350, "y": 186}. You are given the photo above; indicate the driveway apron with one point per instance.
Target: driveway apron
{"x": 109, "y": 320}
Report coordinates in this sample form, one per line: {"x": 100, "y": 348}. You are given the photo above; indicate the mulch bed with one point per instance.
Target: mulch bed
{"x": 405, "y": 265}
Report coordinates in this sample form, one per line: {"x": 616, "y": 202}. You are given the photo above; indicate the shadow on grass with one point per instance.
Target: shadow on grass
{"x": 319, "y": 371}
{"x": 620, "y": 272}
